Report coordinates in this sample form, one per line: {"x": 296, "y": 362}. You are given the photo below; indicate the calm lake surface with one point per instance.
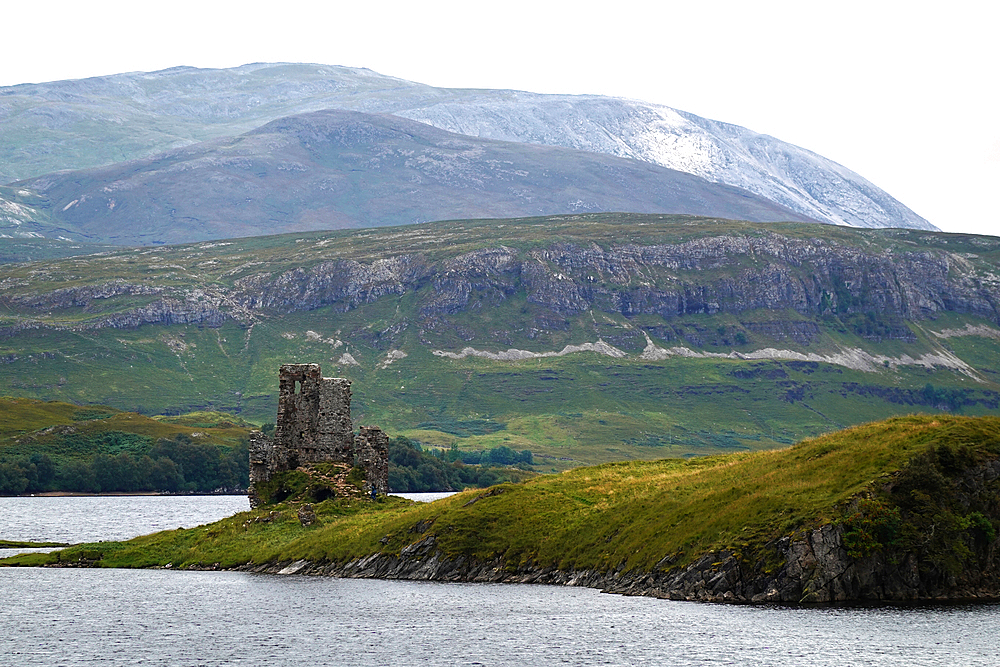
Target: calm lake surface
{"x": 161, "y": 617}
{"x": 77, "y": 519}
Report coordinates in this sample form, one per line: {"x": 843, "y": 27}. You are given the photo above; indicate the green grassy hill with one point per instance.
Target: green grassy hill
{"x": 653, "y": 517}
{"x": 29, "y": 426}
{"x": 692, "y": 336}
{"x": 56, "y": 446}
{"x": 59, "y": 447}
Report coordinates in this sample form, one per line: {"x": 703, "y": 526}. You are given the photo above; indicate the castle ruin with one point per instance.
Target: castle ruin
{"x": 314, "y": 426}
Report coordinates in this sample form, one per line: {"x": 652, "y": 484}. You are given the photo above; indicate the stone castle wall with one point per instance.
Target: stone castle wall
{"x": 314, "y": 416}
{"x": 336, "y": 431}
{"x": 314, "y": 426}
{"x": 373, "y": 455}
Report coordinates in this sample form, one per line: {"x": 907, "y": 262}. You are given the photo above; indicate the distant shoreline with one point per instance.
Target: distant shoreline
{"x": 62, "y": 494}
{"x": 58, "y": 494}
{"x": 28, "y": 544}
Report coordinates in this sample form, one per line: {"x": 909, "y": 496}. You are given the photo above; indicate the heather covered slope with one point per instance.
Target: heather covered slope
{"x": 584, "y": 339}
{"x": 899, "y": 510}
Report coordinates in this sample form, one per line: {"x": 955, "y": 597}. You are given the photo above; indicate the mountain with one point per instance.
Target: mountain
{"x": 337, "y": 169}
{"x": 583, "y": 338}
{"x": 106, "y": 120}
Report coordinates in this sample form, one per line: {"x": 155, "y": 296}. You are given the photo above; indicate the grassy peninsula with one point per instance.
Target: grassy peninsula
{"x": 893, "y": 488}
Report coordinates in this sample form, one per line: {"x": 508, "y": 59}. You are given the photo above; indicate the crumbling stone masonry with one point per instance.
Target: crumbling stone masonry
{"x": 314, "y": 426}
{"x": 372, "y": 454}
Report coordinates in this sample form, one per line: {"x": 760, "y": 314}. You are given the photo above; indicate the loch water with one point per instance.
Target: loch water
{"x": 76, "y": 519}
{"x": 161, "y": 617}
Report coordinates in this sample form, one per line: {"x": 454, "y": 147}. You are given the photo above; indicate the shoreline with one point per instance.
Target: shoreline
{"x": 427, "y": 564}
{"x": 434, "y": 566}
{"x": 115, "y": 494}
{"x": 815, "y": 570}
{"x": 28, "y": 544}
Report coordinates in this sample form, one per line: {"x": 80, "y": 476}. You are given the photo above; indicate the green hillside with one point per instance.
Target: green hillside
{"x": 879, "y": 323}
{"x": 56, "y": 446}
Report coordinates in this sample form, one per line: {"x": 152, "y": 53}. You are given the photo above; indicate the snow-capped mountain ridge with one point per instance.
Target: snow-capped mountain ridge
{"x": 93, "y": 122}
{"x": 720, "y": 152}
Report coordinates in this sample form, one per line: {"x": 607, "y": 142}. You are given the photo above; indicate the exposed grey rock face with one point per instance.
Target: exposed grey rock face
{"x": 716, "y": 274}
{"x": 84, "y": 296}
{"x": 741, "y": 274}
{"x": 346, "y": 283}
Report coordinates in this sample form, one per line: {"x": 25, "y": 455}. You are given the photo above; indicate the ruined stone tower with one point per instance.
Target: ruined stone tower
{"x": 314, "y": 416}
{"x": 314, "y": 426}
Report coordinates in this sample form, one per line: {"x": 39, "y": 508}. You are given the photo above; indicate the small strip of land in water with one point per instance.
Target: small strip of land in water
{"x": 16, "y": 544}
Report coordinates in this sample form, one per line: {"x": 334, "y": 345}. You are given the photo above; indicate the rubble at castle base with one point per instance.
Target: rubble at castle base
{"x": 314, "y": 426}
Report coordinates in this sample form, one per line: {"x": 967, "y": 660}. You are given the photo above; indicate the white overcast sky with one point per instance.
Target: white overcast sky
{"x": 907, "y": 94}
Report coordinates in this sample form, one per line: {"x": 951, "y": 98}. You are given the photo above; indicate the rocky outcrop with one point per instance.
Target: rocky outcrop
{"x": 731, "y": 273}
{"x": 164, "y": 311}
{"x": 815, "y": 568}
{"x": 806, "y": 276}
{"x": 196, "y": 308}
{"x": 345, "y": 284}
{"x": 84, "y": 296}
